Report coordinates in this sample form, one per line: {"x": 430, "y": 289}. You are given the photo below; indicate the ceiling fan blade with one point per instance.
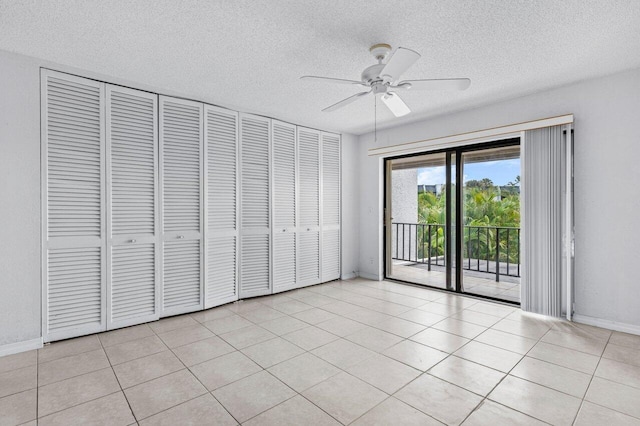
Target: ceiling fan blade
{"x": 395, "y": 104}
{"x": 345, "y": 102}
{"x": 401, "y": 60}
{"x": 330, "y": 80}
{"x": 435, "y": 84}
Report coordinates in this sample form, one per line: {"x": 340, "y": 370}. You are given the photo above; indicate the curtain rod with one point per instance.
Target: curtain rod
{"x": 493, "y": 133}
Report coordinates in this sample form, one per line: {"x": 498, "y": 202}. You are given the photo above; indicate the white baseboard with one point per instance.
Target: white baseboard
{"x": 14, "y": 348}
{"x": 369, "y": 276}
{"x": 349, "y": 276}
{"x": 608, "y": 324}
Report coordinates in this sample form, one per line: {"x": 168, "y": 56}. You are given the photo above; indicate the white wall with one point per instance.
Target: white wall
{"x": 371, "y": 208}
{"x": 350, "y": 206}
{"x": 607, "y": 201}
{"x": 20, "y": 206}
{"x": 19, "y": 199}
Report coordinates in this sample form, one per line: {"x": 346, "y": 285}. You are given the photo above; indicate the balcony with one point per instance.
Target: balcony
{"x": 491, "y": 258}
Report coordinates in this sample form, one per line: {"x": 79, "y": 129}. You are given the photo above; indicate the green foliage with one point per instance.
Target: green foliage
{"x": 485, "y": 183}
{"x": 431, "y": 208}
{"x": 485, "y": 206}
{"x": 482, "y": 207}
{"x": 488, "y": 207}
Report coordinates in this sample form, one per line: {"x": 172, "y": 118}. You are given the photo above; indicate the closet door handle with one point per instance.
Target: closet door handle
{"x": 181, "y": 237}
{"x": 132, "y": 241}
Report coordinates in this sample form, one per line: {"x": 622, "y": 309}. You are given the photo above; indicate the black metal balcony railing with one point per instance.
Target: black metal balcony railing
{"x": 490, "y": 249}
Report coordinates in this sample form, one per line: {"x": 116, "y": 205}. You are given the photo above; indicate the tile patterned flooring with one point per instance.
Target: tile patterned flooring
{"x": 348, "y": 352}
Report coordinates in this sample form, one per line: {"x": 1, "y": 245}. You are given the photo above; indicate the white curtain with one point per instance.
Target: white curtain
{"x": 545, "y": 174}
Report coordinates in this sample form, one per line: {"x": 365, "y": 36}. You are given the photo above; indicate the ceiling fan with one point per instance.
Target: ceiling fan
{"x": 384, "y": 78}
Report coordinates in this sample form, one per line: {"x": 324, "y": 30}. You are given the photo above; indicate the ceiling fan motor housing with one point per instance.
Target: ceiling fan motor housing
{"x": 372, "y": 73}
{"x": 379, "y": 87}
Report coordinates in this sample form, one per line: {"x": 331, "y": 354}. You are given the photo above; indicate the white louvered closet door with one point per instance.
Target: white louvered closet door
{"x": 283, "y": 139}
{"x": 330, "y": 207}
{"x": 221, "y": 213}
{"x": 309, "y": 227}
{"x": 181, "y": 166}
{"x": 73, "y": 206}
{"x": 132, "y": 207}
{"x": 255, "y": 190}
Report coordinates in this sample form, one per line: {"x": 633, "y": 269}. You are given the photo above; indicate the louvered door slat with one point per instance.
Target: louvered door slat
{"x": 330, "y": 207}
{"x": 181, "y": 161}
{"x": 73, "y": 176}
{"x": 309, "y": 163}
{"x": 181, "y": 275}
{"x": 284, "y": 261}
{"x": 284, "y": 175}
{"x": 284, "y": 206}
{"x": 133, "y": 228}
{"x": 254, "y": 269}
{"x": 255, "y": 173}
{"x": 308, "y": 260}
{"x": 309, "y": 213}
{"x": 330, "y": 255}
{"x": 133, "y": 284}
{"x": 74, "y": 290}
{"x": 222, "y": 270}
{"x": 132, "y": 171}
{"x": 255, "y": 192}
{"x": 73, "y": 203}
{"x": 221, "y": 142}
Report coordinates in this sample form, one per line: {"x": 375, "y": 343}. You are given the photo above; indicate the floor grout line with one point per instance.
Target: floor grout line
{"x": 357, "y": 299}
{"x": 523, "y": 356}
{"x": 296, "y": 393}
{"x": 199, "y": 381}
{"x": 590, "y": 381}
{"x": 118, "y": 380}
{"x": 84, "y": 402}
{"x": 507, "y": 374}
{"x": 496, "y": 386}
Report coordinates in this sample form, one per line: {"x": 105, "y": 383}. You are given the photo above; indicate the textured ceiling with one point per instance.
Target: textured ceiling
{"x": 249, "y": 54}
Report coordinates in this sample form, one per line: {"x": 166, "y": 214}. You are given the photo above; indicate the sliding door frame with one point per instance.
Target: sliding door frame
{"x": 452, "y": 286}
{"x": 447, "y": 221}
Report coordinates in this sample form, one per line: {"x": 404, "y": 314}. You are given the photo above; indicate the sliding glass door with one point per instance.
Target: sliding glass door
{"x": 453, "y": 219}
{"x": 491, "y": 222}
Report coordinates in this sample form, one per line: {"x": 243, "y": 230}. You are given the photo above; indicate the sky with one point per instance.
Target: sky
{"x": 500, "y": 172}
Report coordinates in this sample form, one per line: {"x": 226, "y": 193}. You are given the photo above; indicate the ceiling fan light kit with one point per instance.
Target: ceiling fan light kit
{"x": 384, "y": 79}
{"x": 395, "y": 104}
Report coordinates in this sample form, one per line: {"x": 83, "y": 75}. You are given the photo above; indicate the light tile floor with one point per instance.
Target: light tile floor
{"x": 347, "y": 352}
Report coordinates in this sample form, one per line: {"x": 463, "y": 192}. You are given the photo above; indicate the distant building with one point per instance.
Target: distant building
{"x": 503, "y": 191}
{"x": 433, "y": 189}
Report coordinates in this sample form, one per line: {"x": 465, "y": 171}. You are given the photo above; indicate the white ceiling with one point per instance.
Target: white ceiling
{"x": 249, "y": 54}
